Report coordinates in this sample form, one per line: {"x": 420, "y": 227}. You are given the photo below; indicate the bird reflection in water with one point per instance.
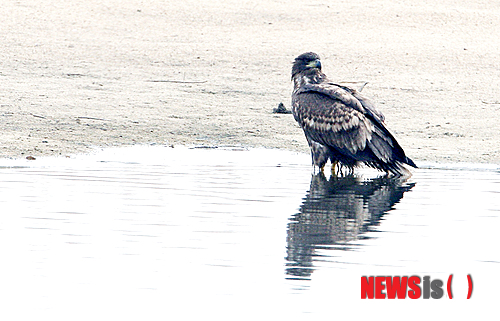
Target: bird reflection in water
{"x": 336, "y": 211}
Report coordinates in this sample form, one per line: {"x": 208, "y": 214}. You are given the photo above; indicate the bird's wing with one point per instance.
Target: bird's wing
{"x": 348, "y": 96}
{"x": 334, "y": 116}
{"x": 368, "y": 106}
{"x": 384, "y": 145}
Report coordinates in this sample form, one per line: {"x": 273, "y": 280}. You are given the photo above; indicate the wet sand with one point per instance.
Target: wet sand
{"x": 76, "y": 76}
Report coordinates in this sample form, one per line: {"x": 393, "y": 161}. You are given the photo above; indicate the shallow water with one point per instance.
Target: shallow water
{"x": 157, "y": 233}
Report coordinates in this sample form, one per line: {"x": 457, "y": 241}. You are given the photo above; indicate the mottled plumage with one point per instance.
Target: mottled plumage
{"x": 340, "y": 124}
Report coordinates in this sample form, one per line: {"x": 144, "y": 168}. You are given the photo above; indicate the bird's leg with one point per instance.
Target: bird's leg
{"x": 334, "y": 168}
{"x": 320, "y": 169}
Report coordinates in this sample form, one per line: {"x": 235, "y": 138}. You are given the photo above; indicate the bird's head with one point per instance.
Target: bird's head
{"x": 307, "y": 62}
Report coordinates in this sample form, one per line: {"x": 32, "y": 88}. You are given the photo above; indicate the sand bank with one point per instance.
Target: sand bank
{"x": 76, "y": 75}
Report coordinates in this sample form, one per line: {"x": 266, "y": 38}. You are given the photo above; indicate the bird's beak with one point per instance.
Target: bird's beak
{"x": 314, "y": 64}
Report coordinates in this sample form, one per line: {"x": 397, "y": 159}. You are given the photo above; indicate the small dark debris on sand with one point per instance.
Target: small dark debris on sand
{"x": 281, "y": 110}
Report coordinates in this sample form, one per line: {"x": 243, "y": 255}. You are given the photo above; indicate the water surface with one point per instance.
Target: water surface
{"x": 157, "y": 233}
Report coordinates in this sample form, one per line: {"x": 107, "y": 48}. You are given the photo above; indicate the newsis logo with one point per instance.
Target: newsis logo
{"x": 401, "y": 287}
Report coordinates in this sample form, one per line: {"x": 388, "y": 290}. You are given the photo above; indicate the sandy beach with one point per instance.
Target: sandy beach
{"x": 76, "y": 75}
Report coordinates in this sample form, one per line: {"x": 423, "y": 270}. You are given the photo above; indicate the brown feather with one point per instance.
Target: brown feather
{"x": 340, "y": 124}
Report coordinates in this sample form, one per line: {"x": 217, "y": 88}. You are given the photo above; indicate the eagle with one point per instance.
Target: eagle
{"x": 340, "y": 124}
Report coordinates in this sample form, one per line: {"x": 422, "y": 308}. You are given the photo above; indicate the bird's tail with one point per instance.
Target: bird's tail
{"x": 410, "y": 162}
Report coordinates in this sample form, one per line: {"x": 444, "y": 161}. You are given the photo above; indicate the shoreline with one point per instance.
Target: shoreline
{"x": 98, "y": 152}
